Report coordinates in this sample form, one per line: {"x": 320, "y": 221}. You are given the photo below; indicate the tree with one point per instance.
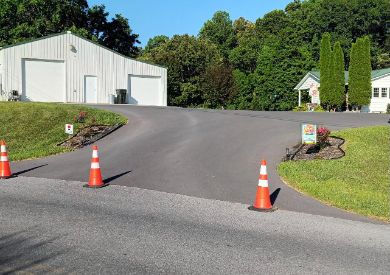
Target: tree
{"x": 269, "y": 57}
{"x": 218, "y": 85}
{"x": 326, "y": 64}
{"x": 187, "y": 59}
{"x": 244, "y": 55}
{"x": 97, "y": 20}
{"x": 22, "y": 20}
{"x": 366, "y": 71}
{"x": 219, "y": 30}
{"x": 118, "y": 36}
{"x": 359, "y": 86}
{"x": 338, "y": 76}
{"x": 156, "y": 42}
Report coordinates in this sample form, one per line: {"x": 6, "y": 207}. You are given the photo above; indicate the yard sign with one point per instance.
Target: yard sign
{"x": 309, "y": 133}
{"x": 69, "y": 129}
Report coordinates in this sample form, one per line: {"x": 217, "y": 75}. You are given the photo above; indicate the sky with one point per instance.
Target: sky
{"x": 149, "y": 18}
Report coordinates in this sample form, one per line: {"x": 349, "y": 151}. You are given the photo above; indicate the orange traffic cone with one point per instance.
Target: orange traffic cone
{"x": 263, "y": 201}
{"x": 5, "y": 168}
{"x": 95, "y": 175}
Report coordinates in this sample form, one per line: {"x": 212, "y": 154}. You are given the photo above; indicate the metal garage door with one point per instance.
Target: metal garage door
{"x": 44, "y": 80}
{"x": 144, "y": 90}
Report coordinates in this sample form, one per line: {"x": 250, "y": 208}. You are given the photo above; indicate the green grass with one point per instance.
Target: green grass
{"x": 33, "y": 130}
{"x": 359, "y": 182}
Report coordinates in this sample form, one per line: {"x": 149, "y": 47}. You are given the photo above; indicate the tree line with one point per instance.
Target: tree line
{"x": 255, "y": 65}
{"x": 230, "y": 64}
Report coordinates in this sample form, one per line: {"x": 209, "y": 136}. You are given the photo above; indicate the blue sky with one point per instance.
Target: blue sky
{"x": 149, "y": 18}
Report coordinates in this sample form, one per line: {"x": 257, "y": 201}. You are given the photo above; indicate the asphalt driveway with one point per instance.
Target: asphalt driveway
{"x": 201, "y": 153}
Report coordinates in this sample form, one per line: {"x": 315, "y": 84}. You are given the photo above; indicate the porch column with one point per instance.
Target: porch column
{"x": 299, "y": 98}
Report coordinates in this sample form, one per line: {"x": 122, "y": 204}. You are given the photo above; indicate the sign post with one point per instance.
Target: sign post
{"x": 309, "y": 134}
{"x": 69, "y": 129}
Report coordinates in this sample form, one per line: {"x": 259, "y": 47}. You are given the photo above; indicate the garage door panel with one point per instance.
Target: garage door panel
{"x": 44, "y": 80}
{"x": 145, "y": 90}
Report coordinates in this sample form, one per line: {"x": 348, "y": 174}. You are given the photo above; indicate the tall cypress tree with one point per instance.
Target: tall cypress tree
{"x": 326, "y": 70}
{"x": 366, "y": 72}
{"x": 353, "y": 72}
{"x": 338, "y": 78}
{"x": 359, "y": 86}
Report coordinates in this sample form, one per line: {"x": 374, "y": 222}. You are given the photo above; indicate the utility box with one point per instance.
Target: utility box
{"x": 121, "y": 96}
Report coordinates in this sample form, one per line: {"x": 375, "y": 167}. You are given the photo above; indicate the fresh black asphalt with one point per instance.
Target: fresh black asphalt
{"x": 201, "y": 153}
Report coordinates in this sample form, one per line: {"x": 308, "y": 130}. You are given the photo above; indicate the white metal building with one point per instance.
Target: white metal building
{"x": 380, "y": 82}
{"x": 68, "y": 68}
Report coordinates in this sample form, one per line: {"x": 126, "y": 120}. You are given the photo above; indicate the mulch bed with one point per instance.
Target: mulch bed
{"x": 331, "y": 150}
{"x": 88, "y": 135}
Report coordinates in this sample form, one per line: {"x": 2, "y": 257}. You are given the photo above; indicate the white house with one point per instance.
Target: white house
{"x": 68, "y": 68}
{"x": 380, "y": 89}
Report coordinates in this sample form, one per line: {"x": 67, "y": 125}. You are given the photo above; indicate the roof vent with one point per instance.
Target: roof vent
{"x": 69, "y": 32}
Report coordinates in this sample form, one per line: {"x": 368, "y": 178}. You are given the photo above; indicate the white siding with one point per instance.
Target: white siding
{"x": 379, "y": 104}
{"x": 308, "y": 83}
{"x": 2, "y": 95}
{"x": 81, "y": 58}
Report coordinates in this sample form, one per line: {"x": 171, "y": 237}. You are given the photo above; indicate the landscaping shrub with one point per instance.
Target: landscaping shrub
{"x": 80, "y": 118}
{"x": 322, "y": 136}
{"x": 318, "y": 108}
{"x": 388, "y": 109}
{"x": 301, "y": 108}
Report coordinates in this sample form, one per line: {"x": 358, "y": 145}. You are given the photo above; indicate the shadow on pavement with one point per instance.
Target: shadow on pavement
{"x": 20, "y": 252}
{"x": 108, "y": 180}
{"x": 28, "y": 170}
{"x": 274, "y": 196}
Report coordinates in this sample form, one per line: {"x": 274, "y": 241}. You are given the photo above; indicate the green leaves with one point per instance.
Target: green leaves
{"x": 360, "y": 73}
{"x": 338, "y": 76}
{"x": 270, "y": 56}
{"x": 326, "y": 70}
{"x": 219, "y": 30}
{"x": 332, "y": 89}
{"x": 187, "y": 59}
{"x": 22, "y": 20}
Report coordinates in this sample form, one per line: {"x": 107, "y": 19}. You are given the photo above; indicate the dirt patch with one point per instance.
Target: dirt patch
{"x": 89, "y": 135}
{"x": 331, "y": 150}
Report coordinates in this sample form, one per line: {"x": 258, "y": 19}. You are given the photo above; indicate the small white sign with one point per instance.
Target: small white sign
{"x": 69, "y": 129}
{"x": 315, "y": 94}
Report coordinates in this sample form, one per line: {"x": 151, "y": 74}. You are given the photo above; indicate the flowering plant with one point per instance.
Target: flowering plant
{"x": 323, "y": 135}
{"x": 80, "y": 118}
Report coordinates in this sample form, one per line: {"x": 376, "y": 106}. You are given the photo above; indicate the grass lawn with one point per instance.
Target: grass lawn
{"x": 33, "y": 130}
{"x": 359, "y": 182}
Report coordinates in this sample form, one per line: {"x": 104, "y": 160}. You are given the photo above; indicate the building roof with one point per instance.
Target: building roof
{"x": 375, "y": 74}
{"x": 79, "y": 36}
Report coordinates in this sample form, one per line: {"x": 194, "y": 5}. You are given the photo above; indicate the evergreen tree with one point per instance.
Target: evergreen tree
{"x": 359, "y": 86}
{"x": 353, "y": 72}
{"x": 366, "y": 72}
{"x": 326, "y": 70}
{"x": 338, "y": 78}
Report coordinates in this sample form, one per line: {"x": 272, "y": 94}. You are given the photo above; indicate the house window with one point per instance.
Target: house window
{"x": 376, "y": 92}
{"x": 384, "y": 92}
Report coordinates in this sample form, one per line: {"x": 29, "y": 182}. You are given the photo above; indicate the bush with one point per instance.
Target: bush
{"x": 318, "y": 108}
{"x": 388, "y": 109}
{"x": 323, "y": 136}
{"x": 301, "y": 108}
{"x": 80, "y": 118}
{"x": 304, "y": 108}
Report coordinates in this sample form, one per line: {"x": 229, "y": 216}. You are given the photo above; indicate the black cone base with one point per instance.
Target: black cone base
{"x": 95, "y": 187}
{"x": 252, "y": 208}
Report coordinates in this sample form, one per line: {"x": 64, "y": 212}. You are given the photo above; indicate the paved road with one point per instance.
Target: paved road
{"x": 201, "y": 153}
{"x": 58, "y": 227}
